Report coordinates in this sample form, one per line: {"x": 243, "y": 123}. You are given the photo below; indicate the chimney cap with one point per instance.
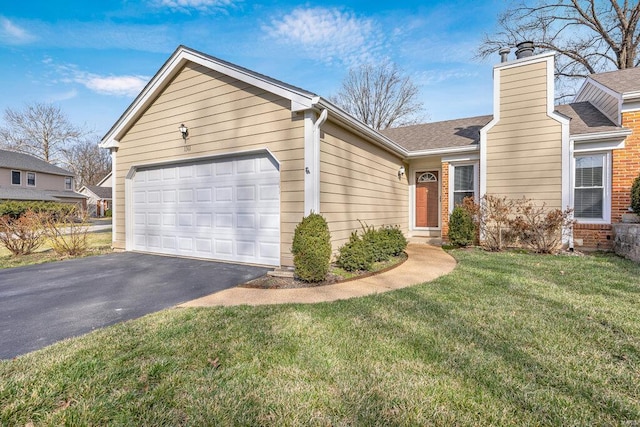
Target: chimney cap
{"x": 524, "y": 49}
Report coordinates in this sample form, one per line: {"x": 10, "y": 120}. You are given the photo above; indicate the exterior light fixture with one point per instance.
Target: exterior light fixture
{"x": 184, "y": 131}
{"x": 401, "y": 172}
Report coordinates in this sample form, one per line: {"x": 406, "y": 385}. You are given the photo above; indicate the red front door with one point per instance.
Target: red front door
{"x": 427, "y": 206}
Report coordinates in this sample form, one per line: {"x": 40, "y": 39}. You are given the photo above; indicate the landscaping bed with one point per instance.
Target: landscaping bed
{"x": 336, "y": 275}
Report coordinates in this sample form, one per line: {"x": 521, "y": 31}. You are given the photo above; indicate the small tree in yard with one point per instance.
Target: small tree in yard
{"x": 540, "y": 228}
{"x": 68, "y": 234}
{"x": 311, "y": 248}
{"x": 22, "y": 235}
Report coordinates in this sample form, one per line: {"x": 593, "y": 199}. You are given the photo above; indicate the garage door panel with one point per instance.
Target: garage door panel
{"x": 225, "y": 209}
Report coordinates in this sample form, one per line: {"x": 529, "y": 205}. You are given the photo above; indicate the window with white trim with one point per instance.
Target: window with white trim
{"x": 31, "y": 179}
{"x": 68, "y": 183}
{"x": 591, "y": 181}
{"x": 16, "y": 177}
{"x": 463, "y": 183}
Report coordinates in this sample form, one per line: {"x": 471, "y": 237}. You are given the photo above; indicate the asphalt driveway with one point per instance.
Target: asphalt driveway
{"x": 43, "y": 304}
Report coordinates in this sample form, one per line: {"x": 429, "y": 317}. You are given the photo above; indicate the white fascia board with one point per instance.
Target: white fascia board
{"x": 527, "y": 60}
{"x": 615, "y": 136}
{"x": 299, "y": 101}
{"x": 466, "y": 157}
{"x": 359, "y": 127}
{"x": 631, "y": 95}
{"x": 630, "y": 105}
{"x": 443, "y": 151}
{"x": 589, "y": 146}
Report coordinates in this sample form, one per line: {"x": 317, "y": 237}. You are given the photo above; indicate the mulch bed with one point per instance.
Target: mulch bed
{"x": 272, "y": 282}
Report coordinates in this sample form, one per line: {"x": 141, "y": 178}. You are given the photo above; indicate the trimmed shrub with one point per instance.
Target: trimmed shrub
{"x": 15, "y": 209}
{"x": 393, "y": 240}
{"x": 355, "y": 255}
{"x": 311, "y": 248}
{"x": 462, "y": 230}
{"x": 372, "y": 246}
{"x": 635, "y": 195}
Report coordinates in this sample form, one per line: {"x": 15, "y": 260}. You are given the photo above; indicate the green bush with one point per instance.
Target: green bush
{"x": 355, "y": 255}
{"x": 635, "y": 195}
{"x": 15, "y": 209}
{"x": 462, "y": 230}
{"x": 311, "y": 248}
{"x": 372, "y": 246}
{"x": 108, "y": 213}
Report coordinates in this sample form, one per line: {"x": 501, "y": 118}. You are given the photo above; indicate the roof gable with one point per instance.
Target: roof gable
{"x": 620, "y": 81}
{"x": 14, "y": 160}
{"x": 300, "y": 98}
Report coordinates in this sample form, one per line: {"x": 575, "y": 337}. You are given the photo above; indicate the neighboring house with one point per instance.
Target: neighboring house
{"x": 98, "y": 197}
{"x": 260, "y": 154}
{"x": 24, "y": 177}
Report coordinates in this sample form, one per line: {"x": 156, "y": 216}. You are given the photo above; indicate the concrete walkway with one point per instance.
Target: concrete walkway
{"x": 425, "y": 263}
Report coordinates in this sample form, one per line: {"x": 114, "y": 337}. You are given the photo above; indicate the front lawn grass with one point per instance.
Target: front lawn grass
{"x": 99, "y": 243}
{"x": 505, "y": 339}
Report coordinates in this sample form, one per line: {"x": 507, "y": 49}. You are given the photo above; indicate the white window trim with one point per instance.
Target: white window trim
{"x": 476, "y": 178}
{"x": 606, "y": 176}
{"x": 34, "y": 180}
{"x": 70, "y": 183}
{"x": 20, "y": 183}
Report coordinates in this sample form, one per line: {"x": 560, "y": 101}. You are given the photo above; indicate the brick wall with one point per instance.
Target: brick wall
{"x": 626, "y": 167}
{"x": 593, "y": 236}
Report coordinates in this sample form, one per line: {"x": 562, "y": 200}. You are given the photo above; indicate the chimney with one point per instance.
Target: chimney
{"x": 504, "y": 54}
{"x": 524, "y": 49}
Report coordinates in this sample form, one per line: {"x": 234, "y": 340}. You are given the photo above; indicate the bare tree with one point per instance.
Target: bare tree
{"x": 590, "y": 36}
{"x": 41, "y": 130}
{"x": 380, "y": 96}
{"x": 88, "y": 162}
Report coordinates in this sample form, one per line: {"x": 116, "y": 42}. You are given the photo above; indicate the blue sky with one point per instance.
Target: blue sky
{"x": 93, "y": 57}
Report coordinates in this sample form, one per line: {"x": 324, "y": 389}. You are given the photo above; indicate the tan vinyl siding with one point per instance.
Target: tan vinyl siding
{"x": 524, "y": 157}
{"x": 223, "y": 116}
{"x": 606, "y": 103}
{"x": 359, "y": 181}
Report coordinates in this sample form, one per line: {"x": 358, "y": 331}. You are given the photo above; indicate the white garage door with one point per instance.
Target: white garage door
{"x": 226, "y": 209}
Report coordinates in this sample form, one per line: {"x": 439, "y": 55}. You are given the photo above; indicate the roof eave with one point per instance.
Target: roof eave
{"x": 300, "y": 100}
{"x": 444, "y": 150}
{"x": 359, "y": 127}
{"x": 601, "y": 136}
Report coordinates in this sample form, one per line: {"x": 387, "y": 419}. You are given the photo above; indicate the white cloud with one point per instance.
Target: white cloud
{"x": 11, "y": 33}
{"x": 199, "y": 5}
{"x": 125, "y": 85}
{"x": 329, "y": 35}
{"x": 63, "y": 96}
{"x": 114, "y": 85}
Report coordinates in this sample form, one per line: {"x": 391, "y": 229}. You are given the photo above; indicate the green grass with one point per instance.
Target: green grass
{"x": 505, "y": 339}
{"x": 99, "y": 243}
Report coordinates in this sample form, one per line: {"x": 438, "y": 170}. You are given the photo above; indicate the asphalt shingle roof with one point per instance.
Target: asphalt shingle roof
{"x": 15, "y": 160}
{"x": 101, "y": 192}
{"x": 621, "y": 81}
{"x": 445, "y": 134}
{"x": 585, "y": 118}
{"x": 8, "y": 193}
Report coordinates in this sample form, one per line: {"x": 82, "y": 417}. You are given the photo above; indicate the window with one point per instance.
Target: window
{"x": 590, "y": 187}
{"x": 68, "y": 183}
{"x": 31, "y": 179}
{"x": 463, "y": 183}
{"x": 16, "y": 177}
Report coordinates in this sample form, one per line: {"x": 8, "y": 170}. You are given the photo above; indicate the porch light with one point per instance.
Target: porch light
{"x": 401, "y": 172}
{"x": 184, "y": 131}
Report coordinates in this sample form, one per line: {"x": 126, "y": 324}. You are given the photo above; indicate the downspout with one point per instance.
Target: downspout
{"x": 312, "y": 169}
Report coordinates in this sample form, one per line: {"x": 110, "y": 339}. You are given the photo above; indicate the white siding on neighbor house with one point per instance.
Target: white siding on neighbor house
{"x": 223, "y": 116}
{"x": 359, "y": 182}
{"x": 603, "y": 101}
{"x": 524, "y": 149}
